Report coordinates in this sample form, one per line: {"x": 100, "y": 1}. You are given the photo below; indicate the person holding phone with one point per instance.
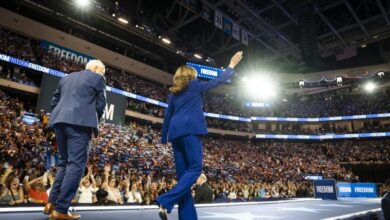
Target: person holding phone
{"x": 184, "y": 124}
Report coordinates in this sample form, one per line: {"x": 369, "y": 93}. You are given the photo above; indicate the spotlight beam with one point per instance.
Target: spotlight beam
{"x": 82, "y": 3}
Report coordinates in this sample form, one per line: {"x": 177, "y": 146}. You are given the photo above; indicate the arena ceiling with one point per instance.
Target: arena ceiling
{"x": 288, "y": 35}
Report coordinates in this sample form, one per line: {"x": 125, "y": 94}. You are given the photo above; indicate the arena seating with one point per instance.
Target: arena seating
{"x": 129, "y": 161}
{"x": 317, "y": 106}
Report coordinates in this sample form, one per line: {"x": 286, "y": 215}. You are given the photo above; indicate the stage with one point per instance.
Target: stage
{"x": 303, "y": 209}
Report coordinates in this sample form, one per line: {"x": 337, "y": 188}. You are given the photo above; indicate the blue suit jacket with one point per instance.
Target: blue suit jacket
{"x": 80, "y": 99}
{"x": 184, "y": 114}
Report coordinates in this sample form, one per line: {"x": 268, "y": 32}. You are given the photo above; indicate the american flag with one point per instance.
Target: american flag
{"x": 347, "y": 52}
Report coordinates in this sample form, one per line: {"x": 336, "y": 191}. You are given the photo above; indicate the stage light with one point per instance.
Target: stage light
{"x": 123, "y": 20}
{"x": 210, "y": 60}
{"x": 381, "y": 74}
{"x": 113, "y": 15}
{"x": 364, "y": 45}
{"x": 370, "y": 86}
{"x": 301, "y": 84}
{"x": 260, "y": 87}
{"x": 166, "y": 40}
{"x": 339, "y": 81}
{"x": 82, "y": 3}
{"x": 198, "y": 56}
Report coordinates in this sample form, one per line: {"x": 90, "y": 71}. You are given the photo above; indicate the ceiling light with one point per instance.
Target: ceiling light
{"x": 82, "y": 3}
{"x": 301, "y": 83}
{"x": 166, "y": 40}
{"x": 369, "y": 87}
{"x": 198, "y": 56}
{"x": 123, "y": 20}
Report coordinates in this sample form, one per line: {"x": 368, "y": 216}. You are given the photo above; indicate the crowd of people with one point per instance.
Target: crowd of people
{"x": 320, "y": 129}
{"x": 17, "y": 45}
{"x": 29, "y": 49}
{"x": 19, "y": 75}
{"x": 128, "y": 165}
{"x": 317, "y": 106}
{"x": 359, "y": 151}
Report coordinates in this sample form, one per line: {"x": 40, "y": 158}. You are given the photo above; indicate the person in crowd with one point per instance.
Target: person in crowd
{"x": 133, "y": 195}
{"x": 11, "y": 192}
{"x": 36, "y": 191}
{"x": 87, "y": 189}
{"x": 203, "y": 192}
{"x": 232, "y": 195}
{"x": 101, "y": 196}
{"x": 114, "y": 194}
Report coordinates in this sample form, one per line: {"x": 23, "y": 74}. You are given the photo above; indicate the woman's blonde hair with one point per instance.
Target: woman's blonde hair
{"x": 184, "y": 74}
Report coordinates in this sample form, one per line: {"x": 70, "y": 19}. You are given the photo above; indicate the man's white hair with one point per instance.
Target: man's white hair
{"x": 94, "y": 64}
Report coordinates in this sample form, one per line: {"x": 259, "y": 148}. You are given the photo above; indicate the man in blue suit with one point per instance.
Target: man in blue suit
{"x": 183, "y": 125}
{"x": 77, "y": 107}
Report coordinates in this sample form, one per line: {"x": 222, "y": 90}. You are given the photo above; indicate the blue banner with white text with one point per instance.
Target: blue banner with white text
{"x": 205, "y": 72}
{"x": 66, "y": 53}
{"x": 313, "y": 177}
{"x": 356, "y": 190}
{"x": 344, "y": 189}
{"x": 322, "y": 137}
{"x": 325, "y": 189}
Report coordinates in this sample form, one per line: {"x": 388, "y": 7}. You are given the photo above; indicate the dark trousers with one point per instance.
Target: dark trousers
{"x": 73, "y": 146}
{"x": 188, "y": 161}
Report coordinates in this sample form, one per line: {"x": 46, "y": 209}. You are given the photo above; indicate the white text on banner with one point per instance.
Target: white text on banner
{"x": 236, "y": 31}
{"x": 218, "y": 19}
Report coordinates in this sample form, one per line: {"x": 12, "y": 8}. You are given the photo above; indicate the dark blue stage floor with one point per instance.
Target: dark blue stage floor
{"x": 291, "y": 209}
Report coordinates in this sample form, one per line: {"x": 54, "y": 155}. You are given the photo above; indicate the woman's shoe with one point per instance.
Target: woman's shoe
{"x": 162, "y": 213}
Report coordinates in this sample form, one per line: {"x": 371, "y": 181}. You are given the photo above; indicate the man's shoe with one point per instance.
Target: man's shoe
{"x": 163, "y": 214}
{"x": 49, "y": 208}
{"x": 59, "y": 216}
